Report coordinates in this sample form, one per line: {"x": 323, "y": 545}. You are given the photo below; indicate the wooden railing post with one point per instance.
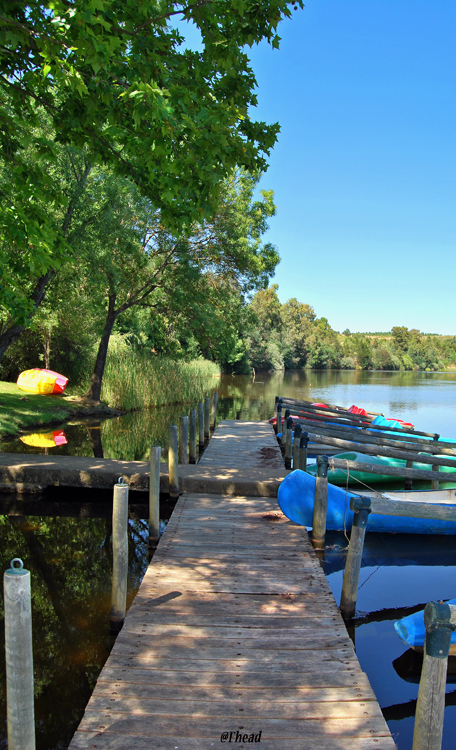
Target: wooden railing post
{"x": 362, "y": 508}
{"x": 154, "y": 496}
{"x": 296, "y": 446}
{"x": 207, "y": 427}
{"x": 408, "y": 482}
{"x": 440, "y": 622}
{"x": 201, "y": 426}
{"x": 183, "y": 440}
{"x": 289, "y": 443}
{"x": 303, "y": 443}
{"x": 119, "y": 556}
{"x": 435, "y": 482}
{"x": 320, "y": 503}
{"x": 214, "y": 409}
{"x": 278, "y": 424}
{"x": 284, "y": 430}
{"x": 192, "y": 437}
{"x": 19, "y": 657}
{"x": 172, "y": 463}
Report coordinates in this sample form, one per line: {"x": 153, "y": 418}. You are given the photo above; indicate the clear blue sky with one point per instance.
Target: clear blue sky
{"x": 364, "y": 170}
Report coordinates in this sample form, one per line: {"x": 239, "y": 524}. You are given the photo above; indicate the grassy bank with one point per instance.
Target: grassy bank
{"x": 21, "y": 411}
{"x": 133, "y": 380}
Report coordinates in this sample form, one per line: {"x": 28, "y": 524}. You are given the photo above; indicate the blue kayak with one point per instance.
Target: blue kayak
{"x": 296, "y": 500}
{"x": 412, "y": 631}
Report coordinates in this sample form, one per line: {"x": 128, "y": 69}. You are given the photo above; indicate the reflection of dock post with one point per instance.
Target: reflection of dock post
{"x": 303, "y": 443}
{"x": 320, "y": 503}
{"x": 192, "y": 437}
{"x": 289, "y": 443}
{"x": 201, "y": 425}
{"x": 214, "y": 409}
{"x": 183, "y": 440}
{"x": 119, "y": 555}
{"x": 19, "y": 657}
{"x": 440, "y": 622}
{"x": 296, "y": 446}
{"x": 172, "y": 463}
{"x": 154, "y": 496}
{"x": 361, "y": 507}
{"x": 207, "y": 417}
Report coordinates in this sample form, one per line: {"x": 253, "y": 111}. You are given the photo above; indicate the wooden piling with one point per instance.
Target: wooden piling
{"x": 297, "y": 446}
{"x": 19, "y": 657}
{"x": 201, "y": 425}
{"x": 192, "y": 437}
{"x": 183, "y": 440}
{"x": 283, "y": 440}
{"x": 440, "y": 622}
{"x": 408, "y": 481}
{"x": 207, "y": 432}
{"x": 435, "y": 482}
{"x": 303, "y": 443}
{"x": 214, "y": 410}
{"x": 278, "y": 423}
{"x": 119, "y": 556}
{"x": 320, "y": 503}
{"x": 172, "y": 463}
{"x": 289, "y": 443}
{"x": 361, "y": 507}
{"x": 154, "y": 496}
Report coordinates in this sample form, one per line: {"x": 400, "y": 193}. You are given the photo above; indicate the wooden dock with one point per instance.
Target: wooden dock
{"x": 234, "y": 638}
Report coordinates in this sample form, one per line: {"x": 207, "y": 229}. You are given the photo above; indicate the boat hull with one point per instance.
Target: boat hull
{"x": 296, "y": 500}
{"x": 45, "y": 382}
{"x": 411, "y": 630}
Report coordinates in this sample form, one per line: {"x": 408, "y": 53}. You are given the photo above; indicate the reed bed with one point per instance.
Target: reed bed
{"x": 135, "y": 380}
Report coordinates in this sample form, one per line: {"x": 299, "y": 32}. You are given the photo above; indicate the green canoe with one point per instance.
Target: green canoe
{"x": 337, "y": 476}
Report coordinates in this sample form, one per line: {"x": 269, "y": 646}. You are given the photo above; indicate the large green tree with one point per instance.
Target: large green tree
{"x": 115, "y": 77}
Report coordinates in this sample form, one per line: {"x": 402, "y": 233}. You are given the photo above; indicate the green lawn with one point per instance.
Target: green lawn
{"x": 21, "y": 411}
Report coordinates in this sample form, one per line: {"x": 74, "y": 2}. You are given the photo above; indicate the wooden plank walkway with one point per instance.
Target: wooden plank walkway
{"x": 234, "y": 632}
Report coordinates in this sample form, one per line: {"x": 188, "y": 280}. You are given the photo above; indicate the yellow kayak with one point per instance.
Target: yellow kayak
{"x": 41, "y": 381}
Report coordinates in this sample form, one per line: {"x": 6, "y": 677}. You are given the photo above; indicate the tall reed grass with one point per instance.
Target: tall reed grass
{"x": 134, "y": 380}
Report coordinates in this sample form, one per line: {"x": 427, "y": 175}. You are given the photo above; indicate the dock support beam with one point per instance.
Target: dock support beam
{"x": 362, "y": 508}
{"x": 183, "y": 440}
{"x": 119, "y": 556}
{"x": 172, "y": 463}
{"x": 192, "y": 438}
{"x": 297, "y": 446}
{"x": 320, "y": 503}
{"x": 154, "y": 496}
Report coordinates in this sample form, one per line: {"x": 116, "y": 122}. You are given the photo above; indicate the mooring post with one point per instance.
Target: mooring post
{"x": 296, "y": 446}
{"x": 278, "y": 424}
{"x": 276, "y": 401}
{"x": 154, "y": 496}
{"x": 303, "y": 443}
{"x": 362, "y": 507}
{"x": 214, "y": 409}
{"x": 183, "y": 440}
{"x": 172, "y": 463}
{"x": 320, "y": 503}
{"x": 119, "y": 555}
{"x": 192, "y": 438}
{"x": 283, "y": 441}
{"x": 435, "y": 482}
{"x": 440, "y": 622}
{"x": 19, "y": 657}
{"x": 207, "y": 431}
{"x": 289, "y": 443}
{"x": 201, "y": 425}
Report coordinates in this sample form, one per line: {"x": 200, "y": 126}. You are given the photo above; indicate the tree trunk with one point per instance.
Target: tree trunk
{"x": 94, "y": 391}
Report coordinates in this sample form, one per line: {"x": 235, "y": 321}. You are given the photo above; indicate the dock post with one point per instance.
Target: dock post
{"x": 303, "y": 443}
{"x": 119, "y": 556}
{"x": 172, "y": 463}
{"x": 183, "y": 440}
{"x": 19, "y": 657}
{"x": 435, "y": 482}
{"x": 289, "y": 443}
{"x": 283, "y": 440}
{"x": 278, "y": 424}
{"x": 214, "y": 409}
{"x": 440, "y": 621}
{"x": 207, "y": 429}
{"x": 320, "y": 503}
{"x": 362, "y": 508}
{"x": 201, "y": 426}
{"x": 192, "y": 438}
{"x": 296, "y": 446}
{"x": 276, "y": 401}
{"x": 154, "y": 496}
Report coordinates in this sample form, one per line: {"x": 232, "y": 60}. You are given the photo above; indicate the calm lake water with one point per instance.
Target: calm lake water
{"x": 65, "y": 542}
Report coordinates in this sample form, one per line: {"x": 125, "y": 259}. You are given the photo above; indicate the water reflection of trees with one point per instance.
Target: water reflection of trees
{"x": 70, "y": 561}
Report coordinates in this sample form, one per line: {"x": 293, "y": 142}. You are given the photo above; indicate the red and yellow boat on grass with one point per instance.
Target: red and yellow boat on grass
{"x": 45, "y": 382}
